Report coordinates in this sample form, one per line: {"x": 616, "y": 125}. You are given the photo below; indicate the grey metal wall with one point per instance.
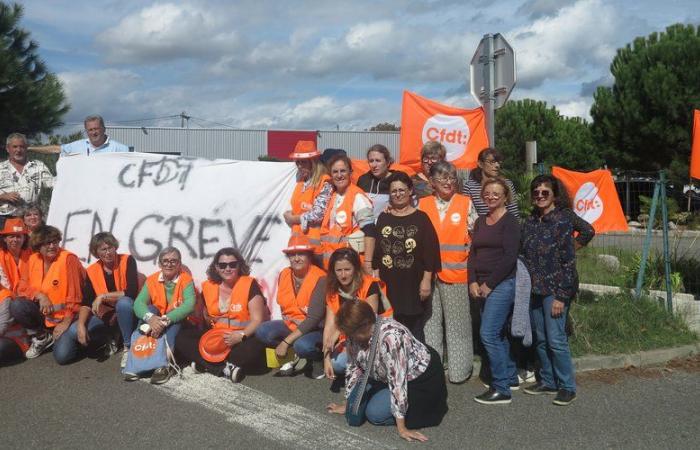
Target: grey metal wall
{"x": 240, "y": 144}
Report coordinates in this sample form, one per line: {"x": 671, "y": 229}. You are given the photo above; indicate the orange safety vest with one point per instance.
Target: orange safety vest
{"x": 156, "y": 290}
{"x": 452, "y": 234}
{"x": 295, "y": 306}
{"x": 53, "y": 284}
{"x": 12, "y": 269}
{"x": 333, "y": 300}
{"x": 96, "y": 274}
{"x": 335, "y": 235}
{"x": 237, "y": 316}
{"x": 302, "y": 201}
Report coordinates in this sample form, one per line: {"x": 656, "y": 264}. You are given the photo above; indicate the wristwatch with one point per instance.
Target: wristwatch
{"x": 243, "y": 336}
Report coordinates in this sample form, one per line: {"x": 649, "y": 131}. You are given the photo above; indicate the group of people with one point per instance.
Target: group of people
{"x": 384, "y": 272}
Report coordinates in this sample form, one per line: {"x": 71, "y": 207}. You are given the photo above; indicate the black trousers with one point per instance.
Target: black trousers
{"x": 415, "y": 324}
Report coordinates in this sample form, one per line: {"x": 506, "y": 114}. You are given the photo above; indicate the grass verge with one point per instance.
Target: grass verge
{"x": 618, "y": 323}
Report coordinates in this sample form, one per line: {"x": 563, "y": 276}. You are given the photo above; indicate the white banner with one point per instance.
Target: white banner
{"x": 152, "y": 201}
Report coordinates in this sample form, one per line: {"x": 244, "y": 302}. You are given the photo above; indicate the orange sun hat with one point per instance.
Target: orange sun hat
{"x": 212, "y": 346}
{"x": 305, "y": 150}
{"x": 14, "y": 225}
{"x": 298, "y": 243}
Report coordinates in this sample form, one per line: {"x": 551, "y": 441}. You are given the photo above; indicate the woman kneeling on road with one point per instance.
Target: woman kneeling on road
{"x": 301, "y": 290}
{"x": 235, "y": 307}
{"x": 405, "y": 383}
{"x": 165, "y": 301}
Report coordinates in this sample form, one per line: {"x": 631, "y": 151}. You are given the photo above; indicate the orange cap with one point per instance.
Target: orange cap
{"x": 14, "y": 225}
{"x": 298, "y": 243}
{"x": 305, "y": 150}
{"x": 212, "y": 346}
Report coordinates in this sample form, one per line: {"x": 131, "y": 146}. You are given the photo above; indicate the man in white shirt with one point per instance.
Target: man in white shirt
{"x": 97, "y": 141}
{"x": 21, "y": 180}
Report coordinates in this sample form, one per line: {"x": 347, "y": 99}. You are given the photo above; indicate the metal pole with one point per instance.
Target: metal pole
{"x": 627, "y": 197}
{"x": 530, "y": 155}
{"x": 489, "y": 82}
{"x": 647, "y": 240}
{"x": 667, "y": 253}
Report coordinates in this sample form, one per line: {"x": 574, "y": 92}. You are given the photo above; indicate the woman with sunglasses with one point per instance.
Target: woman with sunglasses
{"x": 165, "y": 301}
{"x": 407, "y": 256}
{"x": 345, "y": 281}
{"x": 448, "y": 212}
{"x": 311, "y": 194}
{"x": 234, "y": 304}
{"x": 549, "y": 253}
{"x": 491, "y": 273}
{"x": 301, "y": 290}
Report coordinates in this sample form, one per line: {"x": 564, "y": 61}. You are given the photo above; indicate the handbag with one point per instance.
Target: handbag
{"x": 146, "y": 353}
{"x": 359, "y": 396}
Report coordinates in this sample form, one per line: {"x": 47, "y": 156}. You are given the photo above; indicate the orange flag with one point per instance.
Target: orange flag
{"x": 695, "y": 146}
{"x": 594, "y": 198}
{"x": 461, "y": 131}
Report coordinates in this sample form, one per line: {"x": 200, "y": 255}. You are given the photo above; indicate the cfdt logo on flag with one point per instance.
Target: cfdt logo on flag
{"x": 587, "y": 203}
{"x": 450, "y": 131}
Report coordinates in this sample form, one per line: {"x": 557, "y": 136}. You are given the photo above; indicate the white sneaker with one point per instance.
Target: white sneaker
{"x": 526, "y": 376}
{"x": 125, "y": 357}
{"x": 233, "y": 372}
{"x": 39, "y": 346}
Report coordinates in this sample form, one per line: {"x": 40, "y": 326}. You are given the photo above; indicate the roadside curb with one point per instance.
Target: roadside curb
{"x": 640, "y": 359}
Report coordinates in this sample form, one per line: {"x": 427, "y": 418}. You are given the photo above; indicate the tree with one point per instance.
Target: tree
{"x": 644, "y": 121}
{"x": 561, "y": 141}
{"x": 385, "y": 126}
{"x": 32, "y": 98}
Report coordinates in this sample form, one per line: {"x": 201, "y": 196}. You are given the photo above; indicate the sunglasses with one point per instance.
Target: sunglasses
{"x": 544, "y": 193}
{"x": 230, "y": 265}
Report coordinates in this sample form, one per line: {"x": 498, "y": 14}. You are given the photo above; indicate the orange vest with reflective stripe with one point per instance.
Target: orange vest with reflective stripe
{"x": 237, "y": 316}
{"x": 302, "y": 201}
{"x": 12, "y": 269}
{"x": 295, "y": 306}
{"x": 156, "y": 290}
{"x": 452, "y": 234}
{"x": 96, "y": 274}
{"x": 334, "y": 232}
{"x": 54, "y": 284}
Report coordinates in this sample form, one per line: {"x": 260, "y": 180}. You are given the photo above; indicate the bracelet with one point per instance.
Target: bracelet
{"x": 285, "y": 341}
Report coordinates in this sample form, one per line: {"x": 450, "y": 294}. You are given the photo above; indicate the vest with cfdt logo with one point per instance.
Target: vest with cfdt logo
{"x": 53, "y": 283}
{"x": 302, "y": 201}
{"x": 335, "y": 230}
{"x": 97, "y": 275}
{"x": 237, "y": 316}
{"x": 452, "y": 234}
{"x": 156, "y": 290}
{"x": 295, "y": 306}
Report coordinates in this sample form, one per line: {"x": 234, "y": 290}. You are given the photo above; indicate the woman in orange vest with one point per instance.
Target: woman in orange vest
{"x": 346, "y": 281}
{"x": 448, "y": 212}
{"x": 52, "y": 291}
{"x": 349, "y": 219}
{"x": 301, "y": 296}
{"x": 164, "y": 302}
{"x": 234, "y": 307}
{"x": 111, "y": 286}
{"x": 311, "y": 193}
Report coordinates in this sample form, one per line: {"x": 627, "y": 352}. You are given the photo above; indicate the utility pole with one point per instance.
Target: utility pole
{"x": 184, "y": 117}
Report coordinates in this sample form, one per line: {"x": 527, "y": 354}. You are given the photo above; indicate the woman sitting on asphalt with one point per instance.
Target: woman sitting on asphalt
{"x": 164, "y": 302}
{"x": 549, "y": 253}
{"x": 405, "y": 383}
{"x": 301, "y": 290}
{"x": 448, "y": 212}
{"x": 110, "y": 289}
{"x": 234, "y": 307}
{"x": 346, "y": 281}
{"x": 52, "y": 291}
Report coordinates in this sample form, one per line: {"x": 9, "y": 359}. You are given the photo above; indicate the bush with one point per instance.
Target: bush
{"x": 645, "y": 209}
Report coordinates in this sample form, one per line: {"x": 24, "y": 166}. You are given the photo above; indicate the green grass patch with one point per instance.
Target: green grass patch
{"x": 591, "y": 271}
{"x": 618, "y": 323}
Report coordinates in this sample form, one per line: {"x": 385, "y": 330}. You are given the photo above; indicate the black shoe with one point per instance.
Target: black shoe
{"x": 539, "y": 389}
{"x": 513, "y": 386}
{"x": 314, "y": 371}
{"x": 492, "y": 397}
{"x": 160, "y": 375}
{"x": 564, "y": 397}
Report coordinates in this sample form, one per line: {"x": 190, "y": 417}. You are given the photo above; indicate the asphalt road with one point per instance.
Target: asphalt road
{"x": 87, "y": 405}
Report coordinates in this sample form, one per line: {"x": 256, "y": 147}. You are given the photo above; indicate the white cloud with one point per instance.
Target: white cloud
{"x": 580, "y": 107}
{"x": 98, "y": 92}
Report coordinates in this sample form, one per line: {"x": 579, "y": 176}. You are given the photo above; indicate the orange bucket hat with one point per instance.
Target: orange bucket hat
{"x": 14, "y": 225}
{"x": 298, "y": 243}
{"x": 305, "y": 150}
{"x": 212, "y": 346}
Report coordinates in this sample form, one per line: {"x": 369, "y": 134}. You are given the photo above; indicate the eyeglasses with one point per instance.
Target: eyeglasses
{"x": 493, "y": 195}
{"x": 431, "y": 159}
{"x": 541, "y": 193}
{"x": 224, "y": 265}
{"x": 448, "y": 179}
{"x": 491, "y": 162}
{"x": 170, "y": 262}
{"x": 53, "y": 242}
{"x": 398, "y": 192}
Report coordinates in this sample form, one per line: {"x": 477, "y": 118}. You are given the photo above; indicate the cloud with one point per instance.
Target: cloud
{"x": 98, "y": 92}
{"x": 536, "y": 9}
{"x": 589, "y": 88}
{"x": 580, "y": 107}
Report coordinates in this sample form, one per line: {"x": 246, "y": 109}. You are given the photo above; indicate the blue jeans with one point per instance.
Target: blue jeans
{"x": 552, "y": 344}
{"x": 170, "y": 332}
{"x": 340, "y": 363}
{"x": 307, "y": 346}
{"x": 67, "y": 348}
{"x": 378, "y": 410}
{"x": 126, "y": 318}
{"x": 494, "y": 318}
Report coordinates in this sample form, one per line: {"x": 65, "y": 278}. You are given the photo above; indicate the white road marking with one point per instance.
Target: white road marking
{"x": 288, "y": 423}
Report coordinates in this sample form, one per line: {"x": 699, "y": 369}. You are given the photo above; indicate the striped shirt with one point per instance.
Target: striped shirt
{"x": 472, "y": 188}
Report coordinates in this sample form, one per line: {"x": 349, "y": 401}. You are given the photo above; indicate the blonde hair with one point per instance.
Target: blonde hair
{"x": 318, "y": 170}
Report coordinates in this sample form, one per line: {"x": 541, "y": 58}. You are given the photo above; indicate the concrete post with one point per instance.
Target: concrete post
{"x": 530, "y": 155}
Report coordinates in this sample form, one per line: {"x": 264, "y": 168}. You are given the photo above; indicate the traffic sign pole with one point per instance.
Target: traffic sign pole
{"x": 490, "y": 94}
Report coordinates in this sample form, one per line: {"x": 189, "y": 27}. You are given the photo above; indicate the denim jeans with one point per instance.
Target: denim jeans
{"x": 307, "y": 346}
{"x": 552, "y": 344}
{"x": 378, "y": 410}
{"x": 340, "y": 363}
{"x": 67, "y": 348}
{"x": 27, "y": 314}
{"x": 494, "y": 318}
{"x": 126, "y": 318}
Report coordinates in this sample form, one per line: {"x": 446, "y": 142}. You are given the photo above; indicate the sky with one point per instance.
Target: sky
{"x": 314, "y": 64}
